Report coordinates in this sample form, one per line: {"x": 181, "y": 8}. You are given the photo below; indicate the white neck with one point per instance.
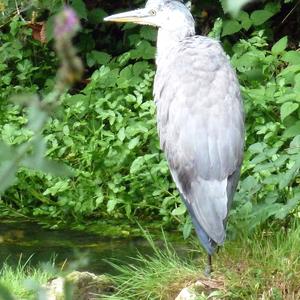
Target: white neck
{"x": 166, "y": 40}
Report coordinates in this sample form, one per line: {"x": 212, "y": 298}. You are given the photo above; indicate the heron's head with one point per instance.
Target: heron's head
{"x": 170, "y": 15}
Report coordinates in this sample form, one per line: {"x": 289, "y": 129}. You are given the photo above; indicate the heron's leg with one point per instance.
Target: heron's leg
{"x": 208, "y": 268}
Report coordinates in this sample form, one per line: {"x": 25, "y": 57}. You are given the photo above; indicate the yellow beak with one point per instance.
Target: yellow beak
{"x": 138, "y": 16}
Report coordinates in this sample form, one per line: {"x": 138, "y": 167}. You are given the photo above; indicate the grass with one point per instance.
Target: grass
{"x": 267, "y": 266}
{"x": 23, "y": 280}
{"x": 160, "y": 276}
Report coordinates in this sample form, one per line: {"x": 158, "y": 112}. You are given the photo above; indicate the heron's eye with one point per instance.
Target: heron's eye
{"x": 152, "y": 12}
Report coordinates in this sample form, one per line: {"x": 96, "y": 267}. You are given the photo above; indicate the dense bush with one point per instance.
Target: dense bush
{"x": 105, "y": 128}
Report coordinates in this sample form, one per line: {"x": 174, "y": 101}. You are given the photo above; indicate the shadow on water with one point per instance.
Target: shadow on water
{"x": 26, "y": 239}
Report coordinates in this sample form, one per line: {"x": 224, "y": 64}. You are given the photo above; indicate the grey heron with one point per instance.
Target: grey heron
{"x": 200, "y": 116}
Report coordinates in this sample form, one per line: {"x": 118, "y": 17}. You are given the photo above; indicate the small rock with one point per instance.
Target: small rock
{"x": 86, "y": 286}
{"x": 187, "y": 294}
{"x": 55, "y": 289}
{"x": 201, "y": 288}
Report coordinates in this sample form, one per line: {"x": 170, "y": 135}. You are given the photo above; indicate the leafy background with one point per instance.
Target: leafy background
{"x": 105, "y": 127}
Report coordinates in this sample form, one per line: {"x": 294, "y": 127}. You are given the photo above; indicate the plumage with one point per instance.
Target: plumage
{"x": 200, "y": 115}
{"x": 200, "y": 123}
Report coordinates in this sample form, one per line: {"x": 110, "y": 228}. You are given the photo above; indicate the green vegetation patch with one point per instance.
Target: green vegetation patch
{"x": 24, "y": 281}
{"x": 265, "y": 266}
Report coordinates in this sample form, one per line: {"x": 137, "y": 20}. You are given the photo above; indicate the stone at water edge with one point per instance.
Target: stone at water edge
{"x": 200, "y": 288}
{"x": 187, "y": 294}
{"x": 85, "y": 286}
{"x": 192, "y": 292}
{"x": 54, "y": 289}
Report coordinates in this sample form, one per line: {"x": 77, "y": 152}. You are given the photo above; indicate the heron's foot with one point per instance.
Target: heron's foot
{"x": 208, "y": 269}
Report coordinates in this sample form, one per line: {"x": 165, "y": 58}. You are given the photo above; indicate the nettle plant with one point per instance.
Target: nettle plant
{"x": 271, "y": 81}
{"x": 106, "y": 132}
{"x": 26, "y": 149}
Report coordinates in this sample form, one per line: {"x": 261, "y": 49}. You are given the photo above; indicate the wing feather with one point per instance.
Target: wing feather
{"x": 201, "y": 127}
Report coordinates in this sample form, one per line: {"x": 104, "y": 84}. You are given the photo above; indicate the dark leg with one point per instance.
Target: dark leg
{"x": 208, "y": 268}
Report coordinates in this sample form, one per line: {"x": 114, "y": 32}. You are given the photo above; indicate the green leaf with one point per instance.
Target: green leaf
{"x": 280, "y": 46}
{"x": 96, "y": 15}
{"x": 128, "y": 210}
{"x": 80, "y": 8}
{"x": 136, "y": 165}
{"x": 121, "y": 134}
{"x": 230, "y": 27}
{"x": 133, "y": 143}
{"x": 257, "y": 148}
{"x": 140, "y": 67}
{"x": 250, "y": 184}
{"x": 14, "y": 25}
{"x": 99, "y": 198}
{"x": 286, "y": 209}
{"x": 180, "y": 210}
{"x": 98, "y": 58}
{"x": 216, "y": 31}
{"x": 288, "y": 176}
{"x": 292, "y": 130}
{"x": 292, "y": 57}
{"x": 143, "y": 50}
{"x": 187, "y": 228}
{"x": 57, "y": 188}
{"x": 274, "y": 7}
{"x": 297, "y": 84}
{"x": 295, "y": 143}
{"x": 289, "y": 70}
{"x": 111, "y": 204}
{"x": 259, "y": 17}
{"x": 287, "y": 109}
{"x": 148, "y": 33}
{"x": 244, "y": 18}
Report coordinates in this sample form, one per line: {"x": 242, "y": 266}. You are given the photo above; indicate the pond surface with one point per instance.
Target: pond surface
{"x": 27, "y": 239}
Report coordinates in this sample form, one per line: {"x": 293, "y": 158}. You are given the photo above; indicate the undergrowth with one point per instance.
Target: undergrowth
{"x": 105, "y": 128}
{"x": 159, "y": 276}
{"x": 23, "y": 280}
{"x": 265, "y": 266}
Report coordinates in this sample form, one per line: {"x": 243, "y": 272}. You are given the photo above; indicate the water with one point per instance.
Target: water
{"x": 26, "y": 239}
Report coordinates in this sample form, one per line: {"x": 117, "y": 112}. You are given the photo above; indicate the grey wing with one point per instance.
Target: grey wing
{"x": 201, "y": 127}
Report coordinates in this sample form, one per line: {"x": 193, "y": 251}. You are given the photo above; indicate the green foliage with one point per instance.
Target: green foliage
{"x": 105, "y": 128}
{"x": 244, "y": 20}
{"x": 164, "y": 273}
{"x": 107, "y": 133}
{"x": 159, "y": 276}
{"x": 272, "y": 160}
{"x": 109, "y": 128}
{"x": 23, "y": 281}
{"x": 31, "y": 153}
{"x": 242, "y": 270}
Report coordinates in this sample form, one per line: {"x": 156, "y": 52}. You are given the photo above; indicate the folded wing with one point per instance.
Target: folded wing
{"x": 201, "y": 128}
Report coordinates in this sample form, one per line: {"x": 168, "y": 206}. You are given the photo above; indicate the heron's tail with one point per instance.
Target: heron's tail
{"x": 208, "y": 244}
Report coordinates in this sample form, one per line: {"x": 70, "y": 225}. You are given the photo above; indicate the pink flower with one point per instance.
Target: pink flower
{"x": 66, "y": 24}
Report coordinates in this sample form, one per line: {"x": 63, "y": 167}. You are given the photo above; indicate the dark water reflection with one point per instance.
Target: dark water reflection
{"x": 29, "y": 238}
